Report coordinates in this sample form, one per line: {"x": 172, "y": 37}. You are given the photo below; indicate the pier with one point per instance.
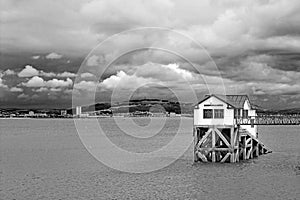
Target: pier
{"x": 270, "y": 120}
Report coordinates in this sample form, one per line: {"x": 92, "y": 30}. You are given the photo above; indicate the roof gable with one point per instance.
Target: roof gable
{"x": 236, "y": 101}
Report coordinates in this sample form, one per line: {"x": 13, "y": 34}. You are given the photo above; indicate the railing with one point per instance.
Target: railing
{"x": 270, "y": 120}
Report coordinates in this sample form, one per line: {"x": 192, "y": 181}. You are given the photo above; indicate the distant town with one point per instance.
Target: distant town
{"x": 133, "y": 108}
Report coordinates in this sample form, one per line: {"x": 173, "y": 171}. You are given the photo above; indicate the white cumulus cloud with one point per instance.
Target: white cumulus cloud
{"x": 35, "y": 81}
{"x": 66, "y": 74}
{"x": 28, "y": 71}
{"x": 54, "y": 83}
{"x": 123, "y": 80}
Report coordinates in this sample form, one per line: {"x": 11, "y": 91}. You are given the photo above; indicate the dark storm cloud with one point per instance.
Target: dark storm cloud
{"x": 255, "y": 44}
{"x": 283, "y": 60}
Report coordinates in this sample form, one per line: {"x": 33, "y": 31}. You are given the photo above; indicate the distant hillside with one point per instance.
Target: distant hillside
{"x": 149, "y": 105}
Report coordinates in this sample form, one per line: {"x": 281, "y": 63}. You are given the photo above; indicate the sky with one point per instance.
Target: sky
{"x": 53, "y": 50}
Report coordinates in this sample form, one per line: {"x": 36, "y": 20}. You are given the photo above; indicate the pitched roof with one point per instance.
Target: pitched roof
{"x": 236, "y": 101}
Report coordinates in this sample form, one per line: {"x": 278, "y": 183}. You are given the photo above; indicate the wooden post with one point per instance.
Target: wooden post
{"x": 195, "y": 134}
{"x": 213, "y": 144}
{"x": 232, "y": 158}
{"x": 256, "y": 150}
{"x": 237, "y": 144}
{"x": 244, "y": 148}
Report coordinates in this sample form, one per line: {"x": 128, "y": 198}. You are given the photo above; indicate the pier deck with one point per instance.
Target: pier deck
{"x": 270, "y": 120}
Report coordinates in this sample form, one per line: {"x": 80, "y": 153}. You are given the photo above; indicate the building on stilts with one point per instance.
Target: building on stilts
{"x": 219, "y": 135}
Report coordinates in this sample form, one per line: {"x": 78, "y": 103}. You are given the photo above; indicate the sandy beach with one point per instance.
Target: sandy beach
{"x": 45, "y": 159}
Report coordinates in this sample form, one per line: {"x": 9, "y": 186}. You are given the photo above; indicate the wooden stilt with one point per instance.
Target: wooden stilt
{"x": 213, "y": 143}
{"x": 225, "y": 158}
{"x": 195, "y": 134}
{"x": 232, "y": 145}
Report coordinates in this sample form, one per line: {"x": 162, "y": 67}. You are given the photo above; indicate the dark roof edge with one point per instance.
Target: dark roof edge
{"x": 213, "y": 95}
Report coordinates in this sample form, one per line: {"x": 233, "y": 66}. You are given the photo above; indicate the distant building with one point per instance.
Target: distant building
{"x": 41, "y": 115}
{"x": 63, "y": 112}
{"x": 31, "y": 113}
{"x": 78, "y": 111}
{"x": 172, "y": 114}
{"x": 224, "y": 110}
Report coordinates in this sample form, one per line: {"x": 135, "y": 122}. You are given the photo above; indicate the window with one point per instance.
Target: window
{"x": 245, "y": 113}
{"x": 210, "y": 113}
{"x": 207, "y": 113}
{"x": 218, "y": 113}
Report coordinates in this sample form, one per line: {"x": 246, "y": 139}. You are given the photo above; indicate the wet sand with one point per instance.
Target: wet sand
{"x": 45, "y": 159}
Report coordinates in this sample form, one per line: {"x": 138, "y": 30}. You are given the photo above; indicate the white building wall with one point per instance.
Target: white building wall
{"x": 251, "y": 113}
{"x": 78, "y": 110}
{"x": 214, "y": 104}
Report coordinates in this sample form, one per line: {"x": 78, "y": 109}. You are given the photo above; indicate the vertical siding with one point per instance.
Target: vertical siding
{"x": 251, "y": 113}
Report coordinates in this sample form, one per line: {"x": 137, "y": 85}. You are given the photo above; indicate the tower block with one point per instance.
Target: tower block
{"x": 217, "y": 136}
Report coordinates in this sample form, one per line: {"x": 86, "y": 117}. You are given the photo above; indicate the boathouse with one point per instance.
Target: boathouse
{"x": 225, "y": 110}
{"x": 225, "y": 129}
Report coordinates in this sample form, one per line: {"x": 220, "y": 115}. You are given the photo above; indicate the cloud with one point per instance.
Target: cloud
{"x": 60, "y": 75}
{"x": 123, "y": 17}
{"x": 86, "y": 85}
{"x": 123, "y": 80}
{"x": 16, "y": 89}
{"x": 47, "y": 74}
{"x": 93, "y": 60}
{"x": 35, "y": 57}
{"x": 35, "y": 82}
{"x": 161, "y": 72}
{"x": 9, "y": 72}
{"x": 53, "y": 83}
{"x": 42, "y": 89}
{"x": 256, "y": 44}
{"x": 66, "y": 74}
{"x": 55, "y": 89}
{"x": 23, "y": 96}
{"x": 53, "y": 56}
{"x": 175, "y": 68}
{"x": 2, "y": 85}
{"x": 86, "y": 75}
{"x": 214, "y": 24}
{"x": 28, "y": 71}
